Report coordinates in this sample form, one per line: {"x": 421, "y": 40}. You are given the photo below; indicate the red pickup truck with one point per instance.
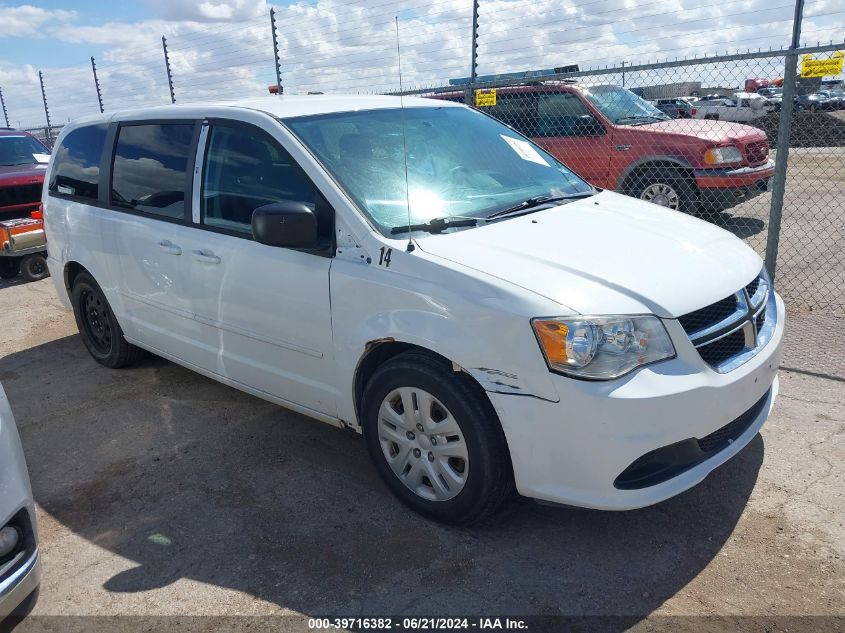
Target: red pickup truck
{"x": 23, "y": 162}
{"x": 616, "y": 140}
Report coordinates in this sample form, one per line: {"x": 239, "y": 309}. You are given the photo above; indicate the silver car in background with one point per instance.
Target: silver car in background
{"x": 20, "y": 571}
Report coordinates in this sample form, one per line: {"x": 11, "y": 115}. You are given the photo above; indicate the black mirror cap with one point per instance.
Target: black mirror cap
{"x": 289, "y": 224}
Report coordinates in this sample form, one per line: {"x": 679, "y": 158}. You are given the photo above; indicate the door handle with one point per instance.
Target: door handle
{"x": 206, "y": 256}
{"x": 169, "y": 247}
{"x": 622, "y": 148}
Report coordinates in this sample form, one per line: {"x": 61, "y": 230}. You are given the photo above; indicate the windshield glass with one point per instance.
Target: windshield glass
{"x": 622, "y": 106}
{"x": 20, "y": 150}
{"x": 460, "y": 163}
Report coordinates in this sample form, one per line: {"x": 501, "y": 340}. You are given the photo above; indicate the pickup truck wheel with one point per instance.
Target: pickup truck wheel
{"x": 9, "y": 267}
{"x": 98, "y": 327}
{"x": 34, "y": 267}
{"x": 667, "y": 188}
{"x": 436, "y": 440}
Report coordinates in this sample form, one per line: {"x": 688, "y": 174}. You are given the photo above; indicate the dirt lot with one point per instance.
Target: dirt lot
{"x": 161, "y": 492}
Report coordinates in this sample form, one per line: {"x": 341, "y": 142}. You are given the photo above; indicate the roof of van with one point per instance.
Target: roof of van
{"x": 281, "y": 106}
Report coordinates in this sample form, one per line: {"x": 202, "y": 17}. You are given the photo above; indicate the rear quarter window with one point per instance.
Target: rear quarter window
{"x": 76, "y": 162}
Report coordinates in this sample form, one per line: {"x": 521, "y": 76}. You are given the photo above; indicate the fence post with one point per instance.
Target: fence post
{"x": 276, "y": 50}
{"x": 167, "y": 67}
{"x": 782, "y": 156}
{"x": 473, "y": 69}
{"x": 3, "y": 102}
{"x": 46, "y": 109}
{"x": 97, "y": 85}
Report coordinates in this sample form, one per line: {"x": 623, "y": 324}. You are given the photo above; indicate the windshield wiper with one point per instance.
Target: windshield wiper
{"x": 537, "y": 201}
{"x": 640, "y": 117}
{"x": 438, "y": 225}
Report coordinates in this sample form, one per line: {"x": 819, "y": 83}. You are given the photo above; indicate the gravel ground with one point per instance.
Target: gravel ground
{"x": 163, "y": 493}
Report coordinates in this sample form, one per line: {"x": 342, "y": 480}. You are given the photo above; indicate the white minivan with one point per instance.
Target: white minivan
{"x": 428, "y": 277}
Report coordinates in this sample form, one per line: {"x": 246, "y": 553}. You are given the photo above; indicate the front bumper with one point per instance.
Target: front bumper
{"x": 572, "y": 451}
{"x": 723, "y": 188}
{"x": 21, "y": 584}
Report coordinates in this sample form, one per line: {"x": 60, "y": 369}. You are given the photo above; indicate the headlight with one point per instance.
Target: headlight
{"x": 602, "y": 348}
{"x": 723, "y": 155}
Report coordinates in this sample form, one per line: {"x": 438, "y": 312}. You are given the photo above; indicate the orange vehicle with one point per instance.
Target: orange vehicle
{"x": 23, "y": 248}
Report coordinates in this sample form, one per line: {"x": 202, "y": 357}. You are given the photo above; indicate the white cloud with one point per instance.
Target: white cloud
{"x": 29, "y": 21}
{"x": 208, "y": 10}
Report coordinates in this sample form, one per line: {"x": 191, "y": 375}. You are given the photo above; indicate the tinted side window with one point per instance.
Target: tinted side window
{"x": 244, "y": 171}
{"x": 76, "y": 162}
{"x": 150, "y": 168}
{"x": 561, "y": 115}
{"x": 517, "y": 110}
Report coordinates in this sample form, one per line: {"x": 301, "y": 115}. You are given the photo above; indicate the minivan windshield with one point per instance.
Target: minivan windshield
{"x": 622, "y": 106}
{"x": 460, "y": 163}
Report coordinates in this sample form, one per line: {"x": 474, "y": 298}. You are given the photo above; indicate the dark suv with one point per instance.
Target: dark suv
{"x": 23, "y": 161}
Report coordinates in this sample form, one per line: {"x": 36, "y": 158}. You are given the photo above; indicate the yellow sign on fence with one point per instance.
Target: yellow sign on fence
{"x": 485, "y": 98}
{"x": 827, "y": 67}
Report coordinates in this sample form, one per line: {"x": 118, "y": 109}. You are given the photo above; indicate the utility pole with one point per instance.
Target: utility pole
{"x": 3, "y": 102}
{"x": 623, "y": 74}
{"x": 782, "y": 157}
{"x": 167, "y": 67}
{"x": 46, "y": 109}
{"x": 276, "y": 62}
{"x": 97, "y": 85}
{"x": 473, "y": 69}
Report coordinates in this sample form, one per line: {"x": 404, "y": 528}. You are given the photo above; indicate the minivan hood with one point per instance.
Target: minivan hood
{"x": 607, "y": 254}
{"x": 713, "y": 131}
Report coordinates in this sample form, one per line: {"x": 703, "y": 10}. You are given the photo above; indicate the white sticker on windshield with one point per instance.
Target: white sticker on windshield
{"x": 525, "y": 151}
{"x": 41, "y": 158}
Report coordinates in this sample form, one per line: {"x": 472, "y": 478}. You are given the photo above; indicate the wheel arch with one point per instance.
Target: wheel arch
{"x": 378, "y": 352}
{"x": 628, "y": 177}
{"x": 71, "y": 271}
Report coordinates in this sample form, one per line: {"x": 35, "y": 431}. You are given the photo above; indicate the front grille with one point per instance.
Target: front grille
{"x": 667, "y": 462}
{"x": 708, "y": 315}
{"x": 751, "y": 288}
{"x": 20, "y": 195}
{"x": 719, "y": 351}
{"x": 757, "y": 152}
{"x": 731, "y": 327}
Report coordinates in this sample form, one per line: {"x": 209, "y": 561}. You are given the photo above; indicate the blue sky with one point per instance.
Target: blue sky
{"x": 44, "y": 51}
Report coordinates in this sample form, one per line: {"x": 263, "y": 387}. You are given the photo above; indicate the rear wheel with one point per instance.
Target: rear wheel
{"x": 98, "y": 326}
{"x": 34, "y": 267}
{"x": 671, "y": 188}
{"x": 436, "y": 440}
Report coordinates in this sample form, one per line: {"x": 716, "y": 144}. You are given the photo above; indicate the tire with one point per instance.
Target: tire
{"x": 471, "y": 477}
{"x": 671, "y": 188}
{"x": 9, "y": 267}
{"x": 98, "y": 327}
{"x": 34, "y": 267}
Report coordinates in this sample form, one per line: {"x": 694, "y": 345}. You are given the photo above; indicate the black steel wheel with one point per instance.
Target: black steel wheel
{"x": 34, "y": 267}
{"x": 98, "y": 327}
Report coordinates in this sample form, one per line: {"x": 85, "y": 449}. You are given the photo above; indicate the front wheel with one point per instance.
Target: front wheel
{"x": 436, "y": 440}
{"x": 98, "y": 327}
{"x": 665, "y": 187}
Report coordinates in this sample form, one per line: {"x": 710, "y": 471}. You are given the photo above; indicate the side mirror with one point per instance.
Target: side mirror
{"x": 290, "y": 224}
